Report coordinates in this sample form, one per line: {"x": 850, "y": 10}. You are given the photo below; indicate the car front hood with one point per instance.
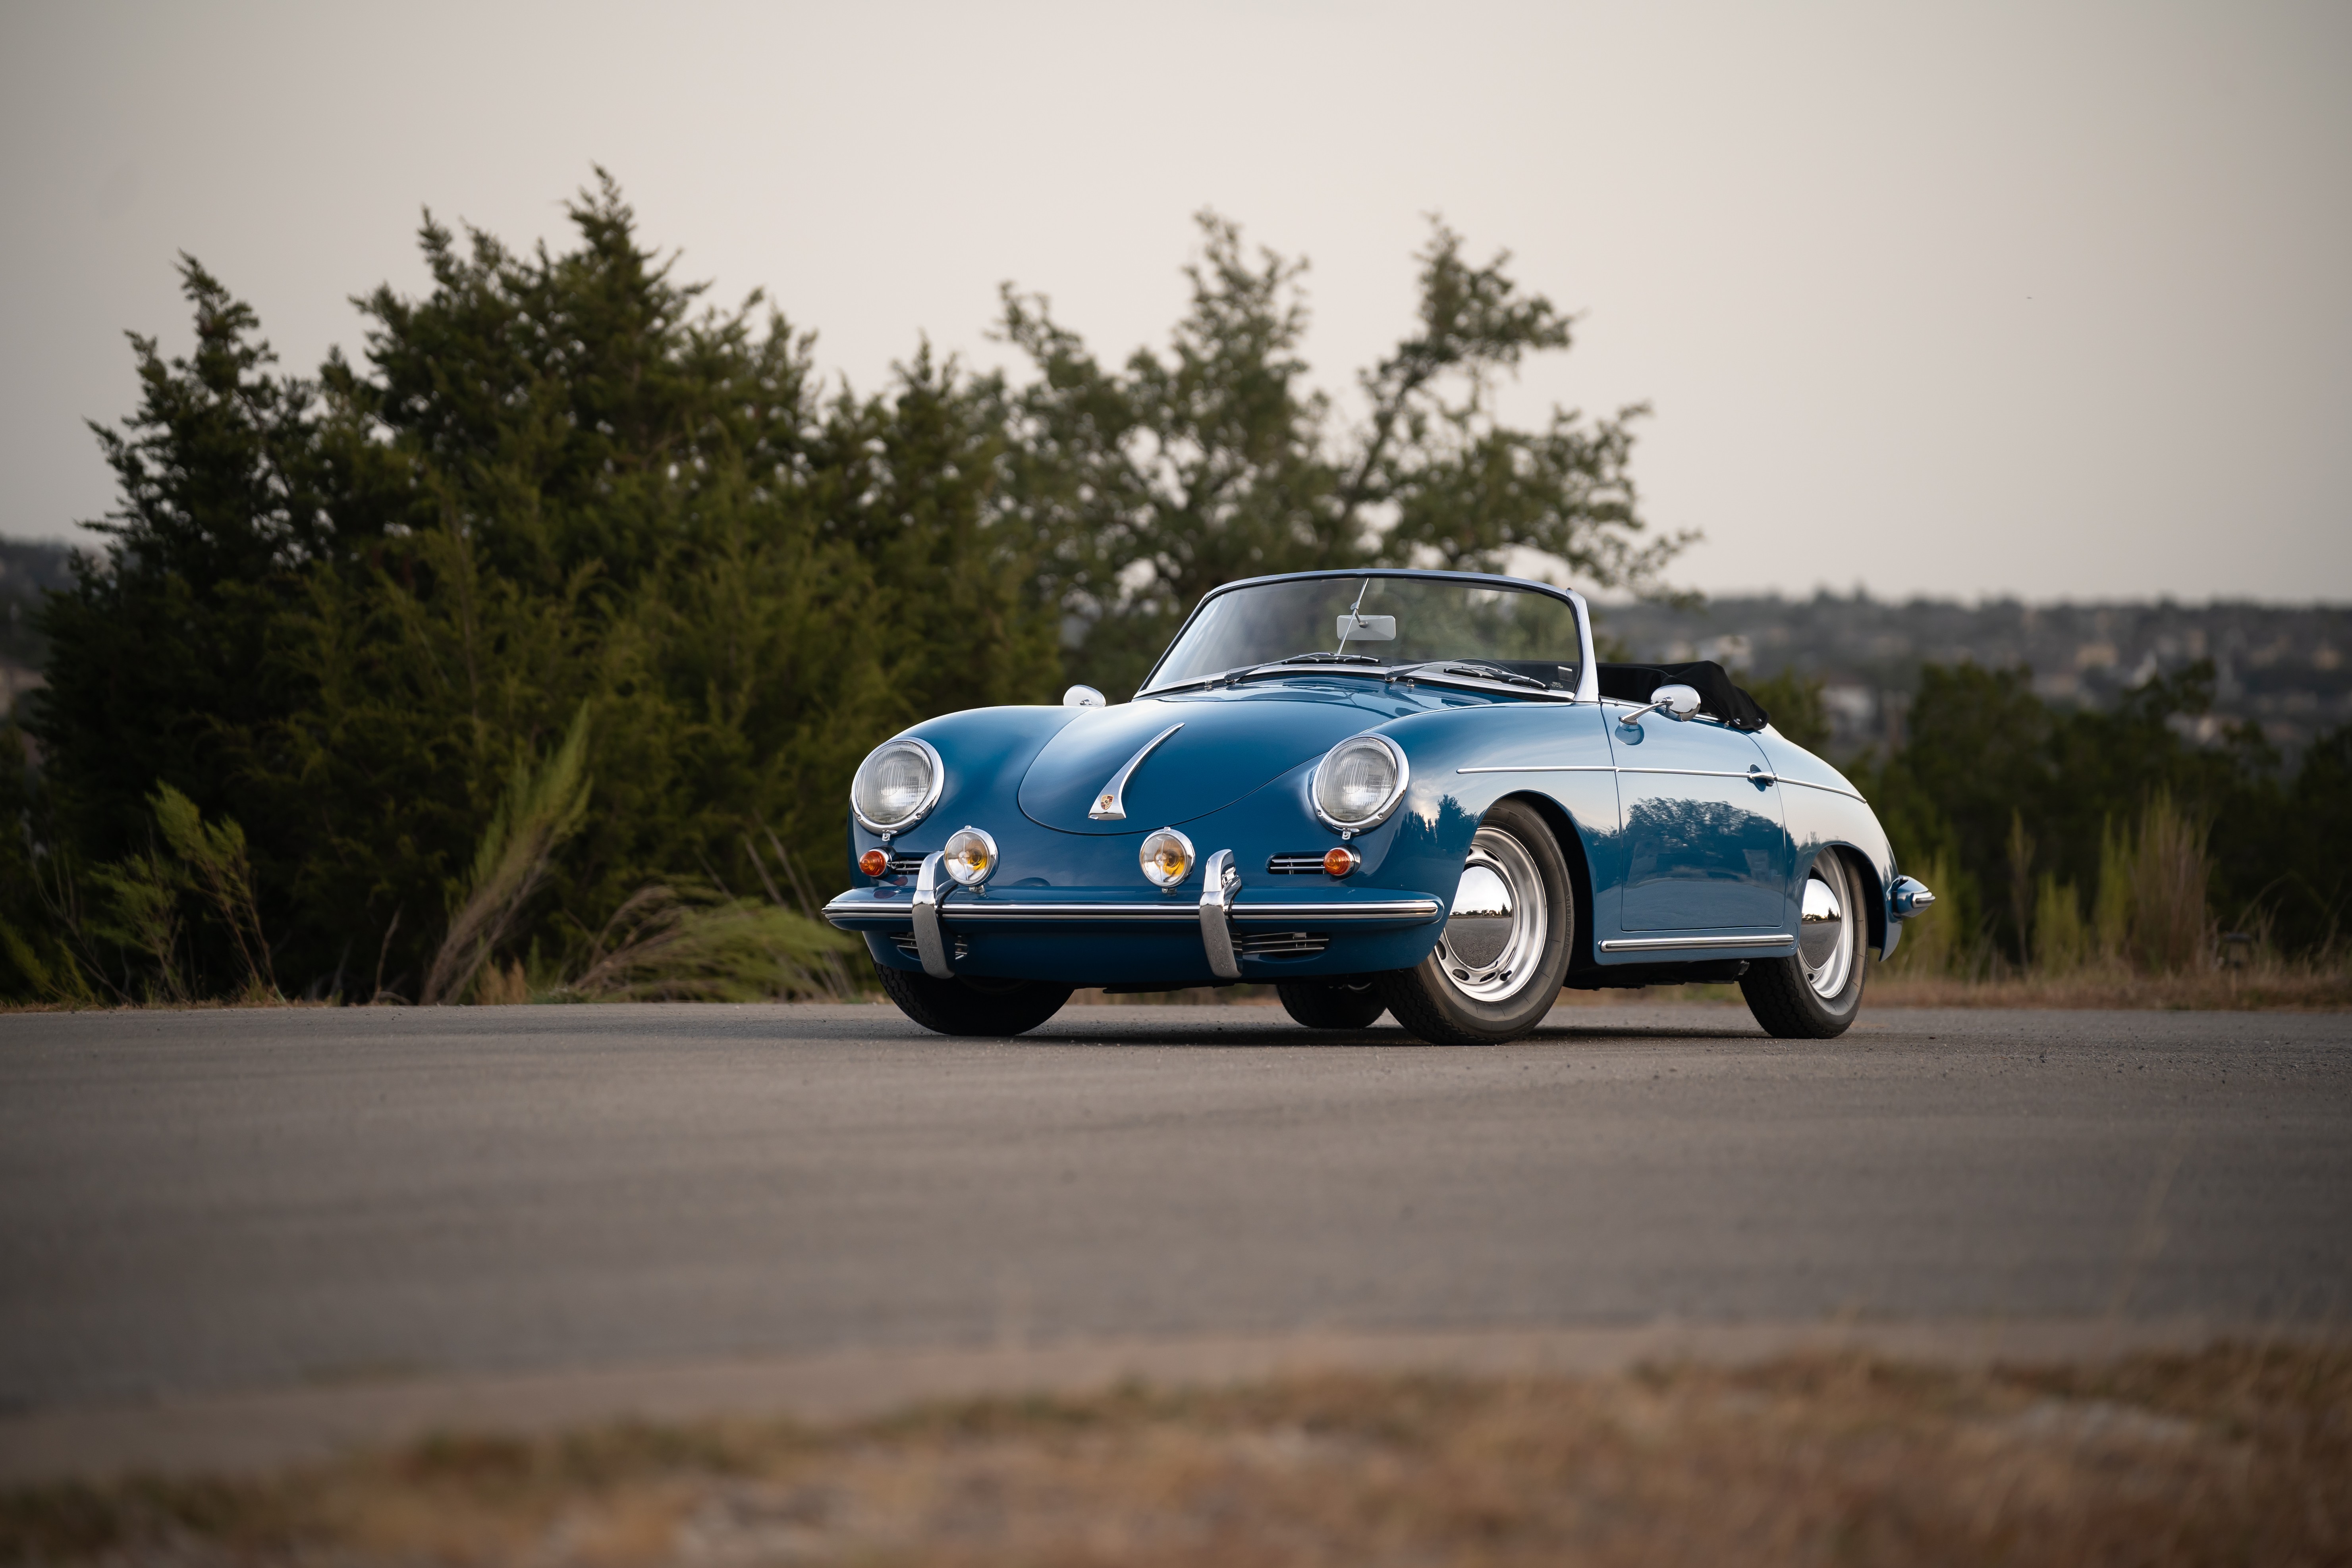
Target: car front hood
{"x": 1232, "y": 742}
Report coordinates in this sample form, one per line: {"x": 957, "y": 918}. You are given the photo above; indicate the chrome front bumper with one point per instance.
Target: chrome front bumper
{"x": 934, "y": 905}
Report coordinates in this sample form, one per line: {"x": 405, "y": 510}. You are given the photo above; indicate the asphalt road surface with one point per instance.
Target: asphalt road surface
{"x": 198, "y": 1201}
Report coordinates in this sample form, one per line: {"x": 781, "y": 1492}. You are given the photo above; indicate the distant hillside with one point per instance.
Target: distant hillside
{"x": 26, "y": 566}
{"x": 2288, "y": 669}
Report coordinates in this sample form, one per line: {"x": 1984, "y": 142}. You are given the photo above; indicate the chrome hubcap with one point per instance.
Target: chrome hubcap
{"x": 1494, "y": 938}
{"x": 1824, "y": 945}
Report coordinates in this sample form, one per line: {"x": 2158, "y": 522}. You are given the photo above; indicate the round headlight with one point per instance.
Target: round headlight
{"x": 896, "y": 784}
{"x": 971, "y": 856}
{"x": 1167, "y": 858}
{"x": 1358, "y": 782}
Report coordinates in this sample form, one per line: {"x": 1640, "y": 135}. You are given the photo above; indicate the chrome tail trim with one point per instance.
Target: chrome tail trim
{"x": 1910, "y": 897}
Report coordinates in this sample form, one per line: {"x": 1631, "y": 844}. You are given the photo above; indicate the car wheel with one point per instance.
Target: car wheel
{"x": 1320, "y": 1005}
{"x": 1498, "y": 964}
{"x": 1815, "y": 993}
{"x": 970, "y": 1004}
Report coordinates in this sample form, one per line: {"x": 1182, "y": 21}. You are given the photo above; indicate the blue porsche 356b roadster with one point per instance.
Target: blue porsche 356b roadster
{"x": 1409, "y": 792}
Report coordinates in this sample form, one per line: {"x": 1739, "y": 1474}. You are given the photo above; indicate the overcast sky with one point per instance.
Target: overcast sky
{"x": 2053, "y": 301}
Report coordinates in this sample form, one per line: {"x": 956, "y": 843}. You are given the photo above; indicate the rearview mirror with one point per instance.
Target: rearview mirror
{"x": 1082, "y": 696}
{"x": 1367, "y": 628}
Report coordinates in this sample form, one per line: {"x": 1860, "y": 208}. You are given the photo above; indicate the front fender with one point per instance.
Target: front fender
{"x": 1465, "y": 760}
{"x": 1823, "y": 811}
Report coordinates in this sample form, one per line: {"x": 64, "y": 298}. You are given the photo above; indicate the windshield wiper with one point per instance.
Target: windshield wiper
{"x": 1244, "y": 671}
{"x": 1475, "y": 671}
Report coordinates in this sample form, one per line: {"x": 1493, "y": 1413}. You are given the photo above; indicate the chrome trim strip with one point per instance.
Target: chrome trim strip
{"x": 1669, "y": 944}
{"x": 968, "y": 910}
{"x": 1828, "y": 789}
{"x": 1545, "y": 768}
{"x": 1760, "y": 776}
{"x": 1219, "y": 883}
{"x": 1111, "y": 801}
{"x": 925, "y": 912}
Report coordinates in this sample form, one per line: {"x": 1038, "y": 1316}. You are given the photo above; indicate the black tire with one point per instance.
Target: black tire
{"x": 1320, "y": 1005}
{"x": 971, "y": 1006}
{"x": 1787, "y": 996}
{"x": 1504, "y": 987}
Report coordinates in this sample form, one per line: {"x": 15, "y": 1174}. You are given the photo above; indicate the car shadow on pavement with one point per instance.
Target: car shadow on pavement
{"x": 1290, "y": 1037}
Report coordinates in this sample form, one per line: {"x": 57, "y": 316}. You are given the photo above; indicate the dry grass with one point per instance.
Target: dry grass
{"x": 2236, "y": 1454}
{"x": 2251, "y": 989}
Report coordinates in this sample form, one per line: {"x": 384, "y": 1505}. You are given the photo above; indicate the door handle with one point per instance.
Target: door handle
{"x": 1756, "y": 775}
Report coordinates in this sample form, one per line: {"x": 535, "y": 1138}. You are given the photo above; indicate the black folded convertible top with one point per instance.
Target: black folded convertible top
{"x": 1717, "y": 697}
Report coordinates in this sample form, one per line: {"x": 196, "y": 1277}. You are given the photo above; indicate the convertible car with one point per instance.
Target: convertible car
{"x": 1407, "y": 792}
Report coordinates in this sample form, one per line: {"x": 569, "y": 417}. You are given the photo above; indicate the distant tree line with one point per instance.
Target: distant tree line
{"x": 532, "y": 654}
{"x": 2056, "y": 837}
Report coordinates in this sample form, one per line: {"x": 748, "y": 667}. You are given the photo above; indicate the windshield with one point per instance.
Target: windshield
{"x": 1379, "y": 622}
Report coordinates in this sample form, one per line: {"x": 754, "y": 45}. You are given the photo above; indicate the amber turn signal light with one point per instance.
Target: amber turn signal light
{"x": 874, "y": 862}
{"x": 1339, "y": 862}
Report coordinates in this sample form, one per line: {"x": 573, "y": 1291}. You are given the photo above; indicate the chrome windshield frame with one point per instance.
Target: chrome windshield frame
{"x": 1588, "y": 672}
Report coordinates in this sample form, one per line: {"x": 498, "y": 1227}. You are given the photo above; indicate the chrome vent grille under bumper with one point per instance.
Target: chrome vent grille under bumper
{"x": 1283, "y": 944}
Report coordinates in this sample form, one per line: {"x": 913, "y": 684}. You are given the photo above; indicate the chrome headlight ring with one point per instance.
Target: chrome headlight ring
{"x": 930, "y": 797}
{"x": 1388, "y": 802}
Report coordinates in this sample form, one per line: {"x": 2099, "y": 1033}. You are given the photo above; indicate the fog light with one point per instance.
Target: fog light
{"x": 971, "y": 856}
{"x": 1339, "y": 862}
{"x": 874, "y": 862}
{"x": 1167, "y": 858}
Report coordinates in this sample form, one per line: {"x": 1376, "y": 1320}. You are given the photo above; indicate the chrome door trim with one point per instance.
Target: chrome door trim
{"x": 1110, "y": 801}
{"x": 1827, "y": 789}
{"x": 1669, "y": 944}
{"x": 1544, "y": 768}
{"x": 1758, "y": 776}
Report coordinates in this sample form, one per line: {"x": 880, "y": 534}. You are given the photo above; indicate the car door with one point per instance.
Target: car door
{"x": 1705, "y": 845}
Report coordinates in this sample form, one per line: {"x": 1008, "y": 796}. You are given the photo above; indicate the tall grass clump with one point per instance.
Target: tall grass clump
{"x": 217, "y": 864}
{"x": 542, "y": 808}
{"x": 2062, "y": 937}
{"x": 668, "y": 944}
{"x": 2170, "y": 930}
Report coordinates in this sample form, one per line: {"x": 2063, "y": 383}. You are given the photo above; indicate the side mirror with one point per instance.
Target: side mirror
{"x": 1082, "y": 696}
{"x": 1678, "y": 702}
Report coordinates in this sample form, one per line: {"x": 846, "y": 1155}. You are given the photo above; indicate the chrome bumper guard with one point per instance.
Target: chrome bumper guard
{"x": 1219, "y": 910}
{"x": 1910, "y": 897}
